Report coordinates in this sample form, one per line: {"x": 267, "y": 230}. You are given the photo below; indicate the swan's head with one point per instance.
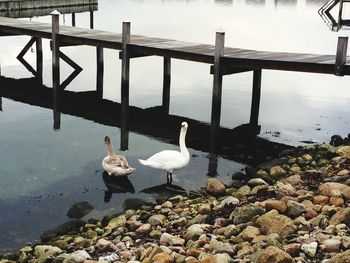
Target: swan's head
{"x": 107, "y": 140}
{"x": 184, "y": 126}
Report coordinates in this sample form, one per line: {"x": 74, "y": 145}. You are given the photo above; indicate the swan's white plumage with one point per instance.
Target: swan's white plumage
{"x": 170, "y": 160}
{"x": 114, "y": 164}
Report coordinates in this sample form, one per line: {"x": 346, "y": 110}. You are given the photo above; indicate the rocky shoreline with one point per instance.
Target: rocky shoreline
{"x": 292, "y": 209}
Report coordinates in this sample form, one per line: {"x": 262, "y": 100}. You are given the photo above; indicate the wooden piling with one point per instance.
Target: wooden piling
{"x": 91, "y": 19}
{"x": 73, "y": 19}
{"x": 166, "y": 84}
{"x": 254, "y": 112}
{"x": 125, "y": 86}
{"x": 100, "y": 69}
{"x": 340, "y": 58}
{"x": 55, "y": 68}
{"x": 217, "y": 88}
{"x": 39, "y": 60}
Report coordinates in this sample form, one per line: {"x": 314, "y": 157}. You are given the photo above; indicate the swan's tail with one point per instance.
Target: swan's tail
{"x": 143, "y": 162}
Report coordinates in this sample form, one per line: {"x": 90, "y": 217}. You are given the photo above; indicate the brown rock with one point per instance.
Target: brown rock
{"x": 310, "y": 213}
{"x": 144, "y": 229}
{"x": 280, "y": 206}
{"x": 163, "y": 257}
{"x": 343, "y": 172}
{"x": 293, "y": 180}
{"x": 275, "y": 255}
{"x": 194, "y": 252}
{"x": 342, "y": 216}
{"x": 204, "y": 209}
{"x": 249, "y": 233}
{"x": 337, "y": 201}
{"x": 321, "y": 200}
{"x": 273, "y": 222}
{"x": 214, "y": 186}
{"x": 340, "y": 257}
{"x": 105, "y": 245}
{"x": 335, "y": 189}
{"x": 292, "y": 249}
{"x": 277, "y": 171}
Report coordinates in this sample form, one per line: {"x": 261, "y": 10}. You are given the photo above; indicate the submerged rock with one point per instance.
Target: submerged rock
{"x": 79, "y": 210}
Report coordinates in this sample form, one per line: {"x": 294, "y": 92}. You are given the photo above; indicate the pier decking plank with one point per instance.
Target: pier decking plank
{"x": 233, "y": 57}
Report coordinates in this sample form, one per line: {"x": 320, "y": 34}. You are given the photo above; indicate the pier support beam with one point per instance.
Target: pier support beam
{"x": 91, "y": 19}
{"x": 56, "y": 68}
{"x": 217, "y": 89}
{"x": 39, "y": 60}
{"x": 125, "y": 86}
{"x": 166, "y": 84}
{"x": 73, "y": 19}
{"x": 340, "y": 58}
{"x": 254, "y": 112}
{"x": 100, "y": 70}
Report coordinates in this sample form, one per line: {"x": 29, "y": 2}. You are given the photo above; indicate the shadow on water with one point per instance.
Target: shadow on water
{"x": 116, "y": 185}
{"x": 239, "y": 144}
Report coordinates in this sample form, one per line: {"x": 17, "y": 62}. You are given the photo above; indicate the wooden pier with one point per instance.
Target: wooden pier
{"x": 223, "y": 60}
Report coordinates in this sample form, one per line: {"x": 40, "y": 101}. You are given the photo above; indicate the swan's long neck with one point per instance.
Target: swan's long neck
{"x": 110, "y": 149}
{"x": 182, "y": 143}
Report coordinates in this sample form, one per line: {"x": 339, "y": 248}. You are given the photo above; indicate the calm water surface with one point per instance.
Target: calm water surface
{"x": 43, "y": 172}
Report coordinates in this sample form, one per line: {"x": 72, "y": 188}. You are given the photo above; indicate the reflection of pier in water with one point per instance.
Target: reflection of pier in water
{"x": 334, "y": 24}
{"x": 35, "y": 8}
{"x": 154, "y": 122}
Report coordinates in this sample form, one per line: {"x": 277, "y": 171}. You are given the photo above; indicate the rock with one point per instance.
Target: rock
{"x": 133, "y": 203}
{"x": 80, "y": 209}
{"x": 256, "y": 181}
{"x": 340, "y": 257}
{"x": 105, "y": 245}
{"x": 309, "y": 249}
{"x": 167, "y": 204}
{"x": 144, "y": 229}
{"x": 273, "y": 254}
{"x": 336, "y": 201}
{"x": 214, "y": 186}
{"x": 220, "y": 247}
{"x": 228, "y": 201}
{"x": 110, "y": 258}
{"x": 273, "y": 222}
{"x": 46, "y": 250}
{"x": 293, "y": 179}
{"x": 342, "y": 216}
{"x": 157, "y": 220}
{"x": 280, "y": 206}
{"x": 295, "y": 209}
{"x": 193, "y": 232}
{"x": 198, "y": 219}
{"x": 249, "y": 233}
{"x": 321, "y": 200}
{"x": 335, "y": 189}
{"x": 115, "y": 223}
{"x": 331, "y": 245}
{"x": 78, "y": 256}
{"x": 204, "y": 209}
{"x": 344, "y": 151}
{"x": 277, "y": 172}
{"x": 73, "y": 225}
{"x": 292, "y": 249}
{"x": 218, "y": 258}
{"x": 245, "y": 213}
{"x": 343, "y": 172}
{"x": 162, "y": 257}
{"x": 168, "y": 239}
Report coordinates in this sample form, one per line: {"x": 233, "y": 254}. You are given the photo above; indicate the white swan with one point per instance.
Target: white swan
{"x": 169, "y": 160}
{"x": 113, "y": 164}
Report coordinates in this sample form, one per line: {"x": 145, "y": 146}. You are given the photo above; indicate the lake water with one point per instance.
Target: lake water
{"x": 44, "y": 171}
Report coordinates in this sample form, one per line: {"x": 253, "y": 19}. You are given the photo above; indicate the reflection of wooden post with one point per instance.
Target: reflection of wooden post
{"x": 91, "y": 19}
{"x": 125, "y": 86}
{"x": 166, "y": 84}
{"x": 217, "y": 89}
{"x": 55, "y": 68}
{"x": 254, "y": 112}
{"x": 99, "y": 80}
{"x": 73, "y": 19}
{"x": 213, "y": 165}
{"x": 340, "y": 58}
{"x": 0, "y": 103}
{"x": 39, "y": 60}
